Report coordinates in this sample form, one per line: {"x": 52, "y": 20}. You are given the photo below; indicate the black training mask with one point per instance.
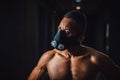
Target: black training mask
{"x": 61, "y": 41}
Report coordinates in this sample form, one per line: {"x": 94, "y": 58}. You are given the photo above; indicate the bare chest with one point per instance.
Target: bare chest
{"x": 74, "y": 68}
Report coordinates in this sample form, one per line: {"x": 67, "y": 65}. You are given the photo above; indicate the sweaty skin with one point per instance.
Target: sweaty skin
{"x": 73, "y": 67}
{"x": 79, "y": 62}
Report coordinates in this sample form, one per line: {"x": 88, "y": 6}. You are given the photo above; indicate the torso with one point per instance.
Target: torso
{"x": 72, "y": 67}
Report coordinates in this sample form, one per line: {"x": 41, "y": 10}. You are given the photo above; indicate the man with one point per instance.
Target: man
{"x": 70, "y": 60}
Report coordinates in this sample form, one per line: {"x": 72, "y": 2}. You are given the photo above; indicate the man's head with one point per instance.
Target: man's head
{"x": 74, "y": 22}
{"x": 70, "y": 30}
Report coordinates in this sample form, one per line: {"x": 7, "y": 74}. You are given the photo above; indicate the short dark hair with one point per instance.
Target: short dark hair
{"x": 79, "y": 17}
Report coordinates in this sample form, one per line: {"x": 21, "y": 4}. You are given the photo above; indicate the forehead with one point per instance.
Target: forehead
{"x": 67, "y": 22}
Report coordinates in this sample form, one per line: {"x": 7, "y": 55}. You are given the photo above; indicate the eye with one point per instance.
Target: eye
{"x": 67, "y": 31}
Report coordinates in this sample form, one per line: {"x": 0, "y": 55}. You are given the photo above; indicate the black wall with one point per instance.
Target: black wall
{"x": 18, "y": 39}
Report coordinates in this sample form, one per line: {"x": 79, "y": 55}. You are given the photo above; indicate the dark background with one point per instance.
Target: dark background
{"x": 28, "y": 26}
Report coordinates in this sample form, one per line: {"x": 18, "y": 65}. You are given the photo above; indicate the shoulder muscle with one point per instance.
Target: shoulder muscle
{"x": 45, "y": 58}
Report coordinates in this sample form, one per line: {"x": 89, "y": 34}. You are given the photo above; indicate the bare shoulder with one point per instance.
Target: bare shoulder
{"x": 106, "y": 65}
{"x": 48, "y": 54}
{"x": 40, "y": 69}
{"x": 46, "y": 57}
{"x": 97, "y": 56}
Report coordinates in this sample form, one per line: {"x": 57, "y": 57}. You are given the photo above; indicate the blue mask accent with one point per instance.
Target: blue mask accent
{"x": 61, "y": 41}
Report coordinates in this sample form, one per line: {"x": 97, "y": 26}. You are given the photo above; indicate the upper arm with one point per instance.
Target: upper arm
{"x": 109, "y": 68}
{"x": 37, "y": 73}
{"x": 40, "y": 70}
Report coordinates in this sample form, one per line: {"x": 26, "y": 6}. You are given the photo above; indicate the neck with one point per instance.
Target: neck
{"x": 77, "y": 50}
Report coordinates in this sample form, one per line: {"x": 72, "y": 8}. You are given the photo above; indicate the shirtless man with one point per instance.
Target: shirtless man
{"x": 70, "y": 60}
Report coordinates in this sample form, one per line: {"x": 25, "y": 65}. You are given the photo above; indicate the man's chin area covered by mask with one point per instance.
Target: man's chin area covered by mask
{"x": 61, "y": 41}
